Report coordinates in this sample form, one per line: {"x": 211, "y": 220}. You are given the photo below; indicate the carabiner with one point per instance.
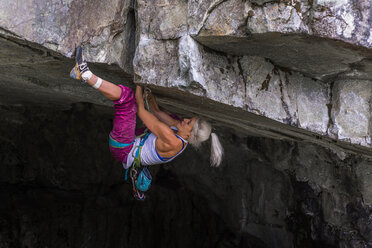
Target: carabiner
{"x": 147, "y": 90}
{"x": 133, "y": 173}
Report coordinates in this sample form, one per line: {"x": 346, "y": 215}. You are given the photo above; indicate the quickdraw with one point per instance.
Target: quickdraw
{"x": 147, "y": 92}
{"x": 140, "y": 175}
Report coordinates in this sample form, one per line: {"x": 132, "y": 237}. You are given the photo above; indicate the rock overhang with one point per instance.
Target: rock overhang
{"x": 253, "y": 95}
{"x": 290, "y": 71}
{"x": 34, "y": 74}
{"x": 302, "y": 53}
{"x": 315, "y": 57}
{"x": 256, "y": 85}
{"x": 321, "y": 39}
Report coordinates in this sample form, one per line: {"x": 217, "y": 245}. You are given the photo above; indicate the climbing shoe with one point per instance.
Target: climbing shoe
{"x": 81, "y": 65}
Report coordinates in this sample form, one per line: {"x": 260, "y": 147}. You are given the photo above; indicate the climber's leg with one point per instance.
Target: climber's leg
{"x": 124, "y": 124}
{"x": 109, "y": 90}
{"x": 82, "y": 72}
{"x": 124, "y": 104}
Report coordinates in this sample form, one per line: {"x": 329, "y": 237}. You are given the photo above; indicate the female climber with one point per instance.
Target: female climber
{"x": 168, "y": 138}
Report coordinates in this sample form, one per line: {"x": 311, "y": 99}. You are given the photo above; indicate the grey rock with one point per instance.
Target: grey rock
{"x": 312, "y": 103}
{"x": 278, "y": 17}
{"x": 227, "y": 18}
{"x": 198, "y": 12}
{"x": 190, "y": 68}
{"x": 261, "y": 2}
{"x": 351, "y": 113}
{"x": 158, "y": 61}
{"x": 162, "y": 19}
{"x": 293, "y": 33}
{"x": 270, "y": 189}
{"x": 250, "y": 83}
{"x": 268, "y": 90}
{"x": 364, "y": 173}
{"x": 286, "y": 86}
{"x": 62, "y": 25}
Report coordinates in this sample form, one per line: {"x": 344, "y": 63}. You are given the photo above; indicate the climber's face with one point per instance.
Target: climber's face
{"x": 185, "y": 126}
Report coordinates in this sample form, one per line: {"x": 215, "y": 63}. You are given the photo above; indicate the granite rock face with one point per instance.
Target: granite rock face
{"x": 351, "y": 105}
{"x": 105, "y": 27}
{"x": 286, "y": 84}
{"x": 280, "y": 59}
{"x": 301, "y": 35}
{"x": 250, "y": 83}
{"x": 310, "y": 45}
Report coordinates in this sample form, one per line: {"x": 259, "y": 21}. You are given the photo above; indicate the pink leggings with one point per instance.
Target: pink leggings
{"x": 124, "y": 125}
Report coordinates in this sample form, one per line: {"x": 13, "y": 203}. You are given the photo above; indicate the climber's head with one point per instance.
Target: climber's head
{"x": 201, "y": 130}
{"x": 185, "y": 127}
{"x": 196, "y": 131}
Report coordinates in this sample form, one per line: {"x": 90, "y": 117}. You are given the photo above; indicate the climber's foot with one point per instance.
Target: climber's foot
{"x": 81, "y": 65}
{"x": 75, "y": 73}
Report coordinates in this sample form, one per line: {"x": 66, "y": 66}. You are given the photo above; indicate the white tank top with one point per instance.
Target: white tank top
{"x": 149, "y": 154}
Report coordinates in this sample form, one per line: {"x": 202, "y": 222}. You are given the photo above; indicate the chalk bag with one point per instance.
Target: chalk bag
{"x": 144, "y": 180}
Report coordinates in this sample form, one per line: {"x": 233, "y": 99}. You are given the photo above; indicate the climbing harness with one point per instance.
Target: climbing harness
{"x": 116, "y": 144}
{"x": 140, "y": 175}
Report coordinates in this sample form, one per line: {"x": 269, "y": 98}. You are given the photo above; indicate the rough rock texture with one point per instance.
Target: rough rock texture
{"x": 30, "y": 73}
{"x": 302, "y": 35}
{"x": 351, "y": 105}
{"x": 68, "y": 192}
{"x": 286, "y": 84}
{"x": 105, "y": 27}
{"x": 267, "y": 193}
{"x": 255, "y": 85}
{"x": 300, "y": 40}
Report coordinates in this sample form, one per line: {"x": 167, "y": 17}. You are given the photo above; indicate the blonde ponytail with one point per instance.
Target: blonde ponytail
{"x": 216, "y": 151}
{"x": 200, "y": 133}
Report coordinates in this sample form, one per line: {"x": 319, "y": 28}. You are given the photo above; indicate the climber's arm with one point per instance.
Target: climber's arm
{"x": 161, "y": 115}
{"x": 161, "y": 130}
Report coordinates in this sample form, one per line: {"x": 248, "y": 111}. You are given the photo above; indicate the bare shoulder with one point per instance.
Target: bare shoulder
{"x": 168, "y": 145}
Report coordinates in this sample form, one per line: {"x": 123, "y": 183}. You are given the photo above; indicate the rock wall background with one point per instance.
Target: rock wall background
{"x": 267, "y": 193}
{"x": 276, "y": 59}
{"x": 286, "y": 84}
